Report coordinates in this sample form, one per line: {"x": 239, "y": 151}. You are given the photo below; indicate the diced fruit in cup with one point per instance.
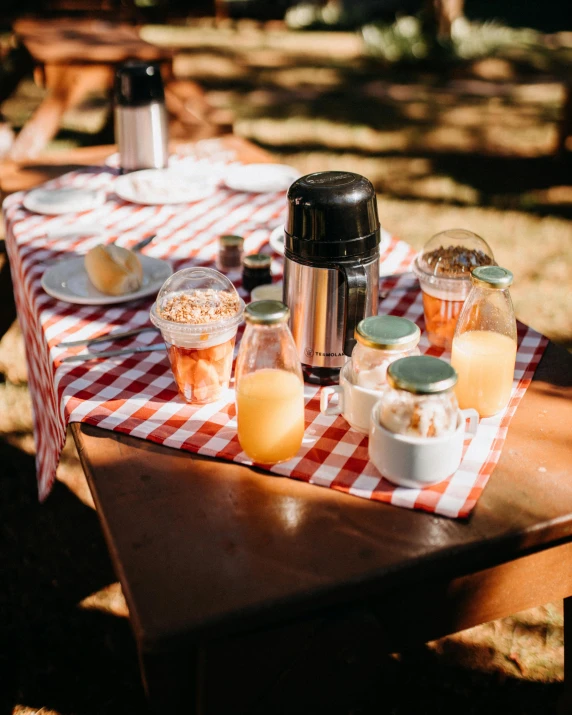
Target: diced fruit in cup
{"x": 202, "y": 374}
{"x": 441, "y": 319}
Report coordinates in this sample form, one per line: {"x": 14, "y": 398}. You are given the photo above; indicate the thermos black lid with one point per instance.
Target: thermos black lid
{"x": 138, "y": 83}
{"x": 331, "y": 214}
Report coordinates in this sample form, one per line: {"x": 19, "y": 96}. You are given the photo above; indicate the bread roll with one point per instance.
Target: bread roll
{"x": 114, "y": 270}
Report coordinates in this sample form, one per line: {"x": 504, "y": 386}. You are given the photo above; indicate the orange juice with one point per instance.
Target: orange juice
{"x": 484, "y": 361}
{"x": 270, "y": 414}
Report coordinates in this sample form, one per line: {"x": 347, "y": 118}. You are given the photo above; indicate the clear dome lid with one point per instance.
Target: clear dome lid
{"x": 197, "y": 300}
{"x": 452, "y": 254}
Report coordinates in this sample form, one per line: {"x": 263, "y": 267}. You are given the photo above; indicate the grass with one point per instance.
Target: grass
{"x": 467, "y": 145}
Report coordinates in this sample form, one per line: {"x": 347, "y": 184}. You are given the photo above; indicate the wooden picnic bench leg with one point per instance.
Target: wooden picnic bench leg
{"x": 67, "y": 87}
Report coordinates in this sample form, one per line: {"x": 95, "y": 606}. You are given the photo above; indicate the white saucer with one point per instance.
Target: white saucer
{"x": 163, "y": 186}
{"x": 276, "y": 240}
{"x": 261, "y": 178}
{"x": 62, "y": 201}
{"x": 68, "y": 281}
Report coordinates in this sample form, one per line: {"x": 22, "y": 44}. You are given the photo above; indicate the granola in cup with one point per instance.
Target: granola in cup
{"x": 443, "y": 268}
{"x": 198, "y": 312}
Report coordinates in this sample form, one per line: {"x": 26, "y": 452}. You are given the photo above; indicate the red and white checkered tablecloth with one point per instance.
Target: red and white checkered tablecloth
{"x": 136, "y": 394}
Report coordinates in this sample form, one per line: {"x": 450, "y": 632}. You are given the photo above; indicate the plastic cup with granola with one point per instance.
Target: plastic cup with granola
{"x": 444, "y": 271}
{"x": 198, "y": 312}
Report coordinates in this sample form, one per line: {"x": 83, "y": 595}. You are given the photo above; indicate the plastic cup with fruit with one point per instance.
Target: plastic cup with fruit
{"x": 198, "y": 312}
{"x": 443, "y": 268}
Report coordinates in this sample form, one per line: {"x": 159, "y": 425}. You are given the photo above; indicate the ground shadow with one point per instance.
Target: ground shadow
{"x": 54, "y": 654}
{"x": 7, "y": 305}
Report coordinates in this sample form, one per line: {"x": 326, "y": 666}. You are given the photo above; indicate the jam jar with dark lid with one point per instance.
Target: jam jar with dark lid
{"x": 256, "y": 270}
{"x": 230, "y": 253}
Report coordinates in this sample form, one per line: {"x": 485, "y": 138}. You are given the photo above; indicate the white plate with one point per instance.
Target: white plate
{"x": 62, "y": 201}
{"x": 163, "y": 186}
{"x": 276, "y": 240}
{"x": 261, "y": 178}
{"x": 68, "y": 281}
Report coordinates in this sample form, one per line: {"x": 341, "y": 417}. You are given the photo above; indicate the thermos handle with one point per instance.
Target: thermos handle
{"x": 356, "y": 295}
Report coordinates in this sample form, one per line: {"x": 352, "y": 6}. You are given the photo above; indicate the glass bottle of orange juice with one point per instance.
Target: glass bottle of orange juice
{"x": 484, "y": 344}
{"x": 269, "y": 386}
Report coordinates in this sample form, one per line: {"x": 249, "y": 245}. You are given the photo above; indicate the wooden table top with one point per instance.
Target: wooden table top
{"x": 204, "y": 547}
{"x": 80, "y": 41}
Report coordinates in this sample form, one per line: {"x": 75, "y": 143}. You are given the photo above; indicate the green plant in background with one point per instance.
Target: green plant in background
{"x": 409, "y": 40}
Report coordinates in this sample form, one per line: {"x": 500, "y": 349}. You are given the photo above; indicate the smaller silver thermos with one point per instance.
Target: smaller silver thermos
{"x": 141, "y": 129}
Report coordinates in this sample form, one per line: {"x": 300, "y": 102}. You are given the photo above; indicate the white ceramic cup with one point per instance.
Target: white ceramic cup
{"x": 419, "y": 461}
{"x": 355, "y": 403}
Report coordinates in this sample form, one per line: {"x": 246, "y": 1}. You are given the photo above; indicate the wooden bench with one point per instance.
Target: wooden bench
{"x": 75, "y": 57}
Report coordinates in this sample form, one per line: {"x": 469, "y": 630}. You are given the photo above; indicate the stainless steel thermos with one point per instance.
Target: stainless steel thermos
{"x": 141, "y": 129}
{"x": 331, "y": 267}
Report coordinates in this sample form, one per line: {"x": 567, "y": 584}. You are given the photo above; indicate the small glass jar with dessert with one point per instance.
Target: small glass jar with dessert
{"x": 419, "y": 400}
{"x": 198, "y": 312}
{"x": 417, "y": 432}
{"x": 443, "y": 268}
{"x": 380, "y": 340}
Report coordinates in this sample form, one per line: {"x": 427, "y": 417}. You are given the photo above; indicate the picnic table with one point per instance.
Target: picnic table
{"x": 240, "y": 584}
{"x": 74, "y": 57}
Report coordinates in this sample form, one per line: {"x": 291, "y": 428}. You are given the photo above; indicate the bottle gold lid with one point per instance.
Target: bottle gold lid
{"x": 266, "y": 312}
{"x": 387, "y": 332}
{"x": 492, "y": 277}
{"x": 421, "y": 375}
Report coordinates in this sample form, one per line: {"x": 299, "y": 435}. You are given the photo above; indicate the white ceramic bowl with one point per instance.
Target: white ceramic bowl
{"x": 419, "y": 461}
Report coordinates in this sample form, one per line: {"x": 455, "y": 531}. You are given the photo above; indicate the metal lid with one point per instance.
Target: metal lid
{"x": 387, "y": 332}
{"x": 230, "y": 240}
{"x": 421, "y": 375}
{"x": 138, "y": 83}
{"x": 266, "y": 312}
{"x": 491, "y": 277}
{"x": 331, "y": 215}
{"x": 257, "y": 261}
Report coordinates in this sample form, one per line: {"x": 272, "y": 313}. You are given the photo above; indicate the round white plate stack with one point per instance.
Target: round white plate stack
{"x": 53, "y": 202}
{"x": 164, "y": 186}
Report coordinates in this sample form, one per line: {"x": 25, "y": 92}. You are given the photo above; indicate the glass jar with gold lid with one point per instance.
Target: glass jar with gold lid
{"x": 419, "y": 400}
{"x": 380, "y": 340}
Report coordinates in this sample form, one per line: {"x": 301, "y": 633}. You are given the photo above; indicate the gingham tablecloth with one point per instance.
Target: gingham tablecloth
{"x": 136, "y": 395}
